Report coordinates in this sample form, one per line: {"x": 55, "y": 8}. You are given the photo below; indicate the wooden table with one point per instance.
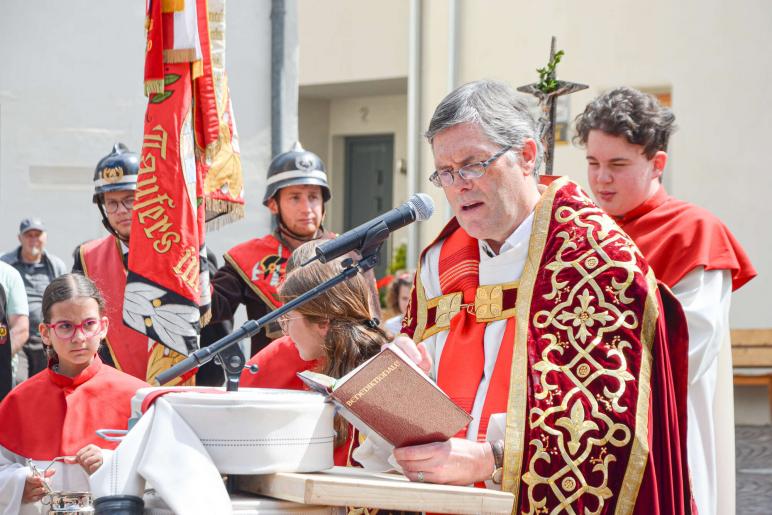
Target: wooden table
{"x": 347, "y": 486}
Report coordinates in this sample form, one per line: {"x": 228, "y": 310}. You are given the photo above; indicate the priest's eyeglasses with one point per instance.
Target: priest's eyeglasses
{"x": 111, "y": 206}
{"x": 469, "y": 172}
{"x": 66, "y": 329}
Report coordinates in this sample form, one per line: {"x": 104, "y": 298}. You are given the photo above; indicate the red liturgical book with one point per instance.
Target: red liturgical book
{"x": 389, "y": 398}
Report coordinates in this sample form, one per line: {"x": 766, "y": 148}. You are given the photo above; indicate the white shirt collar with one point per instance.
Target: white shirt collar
{"x": 522, "y": 233}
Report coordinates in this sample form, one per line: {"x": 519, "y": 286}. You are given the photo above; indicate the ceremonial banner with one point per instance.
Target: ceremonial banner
{"x": 162, "y": 291}
{"x": 167, "y": 292}
{"x": 224, "y": 185}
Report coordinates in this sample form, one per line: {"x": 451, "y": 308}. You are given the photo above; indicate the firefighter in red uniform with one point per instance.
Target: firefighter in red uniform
{"x": 296, "y": 193}
{"x": 105, "y": 261}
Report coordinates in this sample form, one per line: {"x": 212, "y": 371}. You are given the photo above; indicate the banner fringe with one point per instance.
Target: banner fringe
{"x": 154, "y": 86}
{"x": 179, "y": 55}
{"x": 221, "y": 213}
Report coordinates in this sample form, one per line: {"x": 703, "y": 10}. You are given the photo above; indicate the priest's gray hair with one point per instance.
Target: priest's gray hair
{"x": 497, "y": 108}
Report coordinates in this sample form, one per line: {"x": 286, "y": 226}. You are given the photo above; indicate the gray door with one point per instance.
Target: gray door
{"x": 369, "y": 169}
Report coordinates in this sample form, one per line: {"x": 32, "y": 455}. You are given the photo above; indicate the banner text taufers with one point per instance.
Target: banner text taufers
{"x": 153, "y": 207}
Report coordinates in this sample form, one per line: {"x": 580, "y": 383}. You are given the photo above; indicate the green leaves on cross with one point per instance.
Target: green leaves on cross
{"x": 547, "y": 77}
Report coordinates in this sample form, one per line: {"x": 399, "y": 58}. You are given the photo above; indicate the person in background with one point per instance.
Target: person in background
{"x": 6, "y": 367}
{"x": 397, "y": 298}
{"x": 52, "y": 418}
{"x": 296, "y": 194}
{"x": 625, "y": 133}
{"x": 38, "y": 268}
{"x": 105, "y": 261}
{"x": 15, "y": 329}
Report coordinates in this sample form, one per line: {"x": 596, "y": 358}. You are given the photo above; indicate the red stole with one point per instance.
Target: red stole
{"x": 463, "y": 356}
{"x": 52, "y": 415}
{"x": 261, "y": 264}
{"x": 676, "y": 237}
{"x": 103, "y": 263}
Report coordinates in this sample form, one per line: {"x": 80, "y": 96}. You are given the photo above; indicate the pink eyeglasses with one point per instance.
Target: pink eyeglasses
{"x": 66, "y": 329}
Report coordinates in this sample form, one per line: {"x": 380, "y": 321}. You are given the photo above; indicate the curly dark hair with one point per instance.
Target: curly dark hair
{"x": 627, "y": 112}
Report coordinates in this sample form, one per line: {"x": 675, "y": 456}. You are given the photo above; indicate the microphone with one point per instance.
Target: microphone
{"x": 372, "y": 233}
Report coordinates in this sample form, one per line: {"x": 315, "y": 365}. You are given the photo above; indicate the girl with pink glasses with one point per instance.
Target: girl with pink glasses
{"x": 48, "y": 431}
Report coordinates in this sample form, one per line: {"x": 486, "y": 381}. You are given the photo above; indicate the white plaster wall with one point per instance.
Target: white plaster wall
{"x": 71, "y": 85}
{"x": 351, "y": 40}
{"x": 314, "y": 126}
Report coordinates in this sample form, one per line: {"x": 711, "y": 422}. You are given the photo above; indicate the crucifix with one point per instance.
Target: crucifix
{"x": 547, "y": 90}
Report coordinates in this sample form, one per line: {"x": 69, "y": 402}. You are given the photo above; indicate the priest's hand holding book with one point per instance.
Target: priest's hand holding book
{"x": 417, "y": 353}
{"x": 456, "y": 461}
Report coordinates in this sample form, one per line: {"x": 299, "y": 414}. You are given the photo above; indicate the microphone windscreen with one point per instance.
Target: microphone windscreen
{"x": 422, "y": 205}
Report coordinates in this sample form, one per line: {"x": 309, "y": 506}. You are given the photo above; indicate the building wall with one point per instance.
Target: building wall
{"x": 351, "y": 40}
{"x": 71, "y": 86}
{"x": 314, "y": 127}
{"x": 709, "y": 55}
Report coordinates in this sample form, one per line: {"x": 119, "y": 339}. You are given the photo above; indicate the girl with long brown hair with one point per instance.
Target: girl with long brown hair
{"x": 333, "y": 333}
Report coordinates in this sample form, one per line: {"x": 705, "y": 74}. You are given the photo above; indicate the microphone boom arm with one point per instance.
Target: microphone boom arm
{"x": 233, "y": 361}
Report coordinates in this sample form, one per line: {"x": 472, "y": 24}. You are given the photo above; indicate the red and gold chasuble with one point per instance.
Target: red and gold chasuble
{"x": 52, "y": 415}
{"x": 102, "y": 261}
{"x": 261, "y": 263}
{"x": 596, "y": 419}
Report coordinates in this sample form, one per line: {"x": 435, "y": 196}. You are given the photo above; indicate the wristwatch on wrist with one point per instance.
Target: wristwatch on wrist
{"x": 498, "y": 461}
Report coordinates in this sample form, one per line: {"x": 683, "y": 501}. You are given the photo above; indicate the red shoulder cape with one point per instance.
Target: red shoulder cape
{"x": 676, "y": 237}
{"x": 52, "y": 415}
{"x": 278, "y": 363}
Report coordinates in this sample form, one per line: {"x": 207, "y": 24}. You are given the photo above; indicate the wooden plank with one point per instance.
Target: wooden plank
{"x": 348, "y": 486}
{"x": 765, "y": 380}
{"x": 752, "y": 356}
{"x": 752, "y": 337}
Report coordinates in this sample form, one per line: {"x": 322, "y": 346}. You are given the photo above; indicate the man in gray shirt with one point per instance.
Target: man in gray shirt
{"x": 37, "y": 269}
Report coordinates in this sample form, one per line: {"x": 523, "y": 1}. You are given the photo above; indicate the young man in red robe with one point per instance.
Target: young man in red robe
{"x": 539, "y": 316}
{"x": 626, "y": 134}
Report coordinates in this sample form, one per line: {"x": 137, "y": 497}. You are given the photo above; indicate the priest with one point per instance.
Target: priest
{"x": 538, "y": 316}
